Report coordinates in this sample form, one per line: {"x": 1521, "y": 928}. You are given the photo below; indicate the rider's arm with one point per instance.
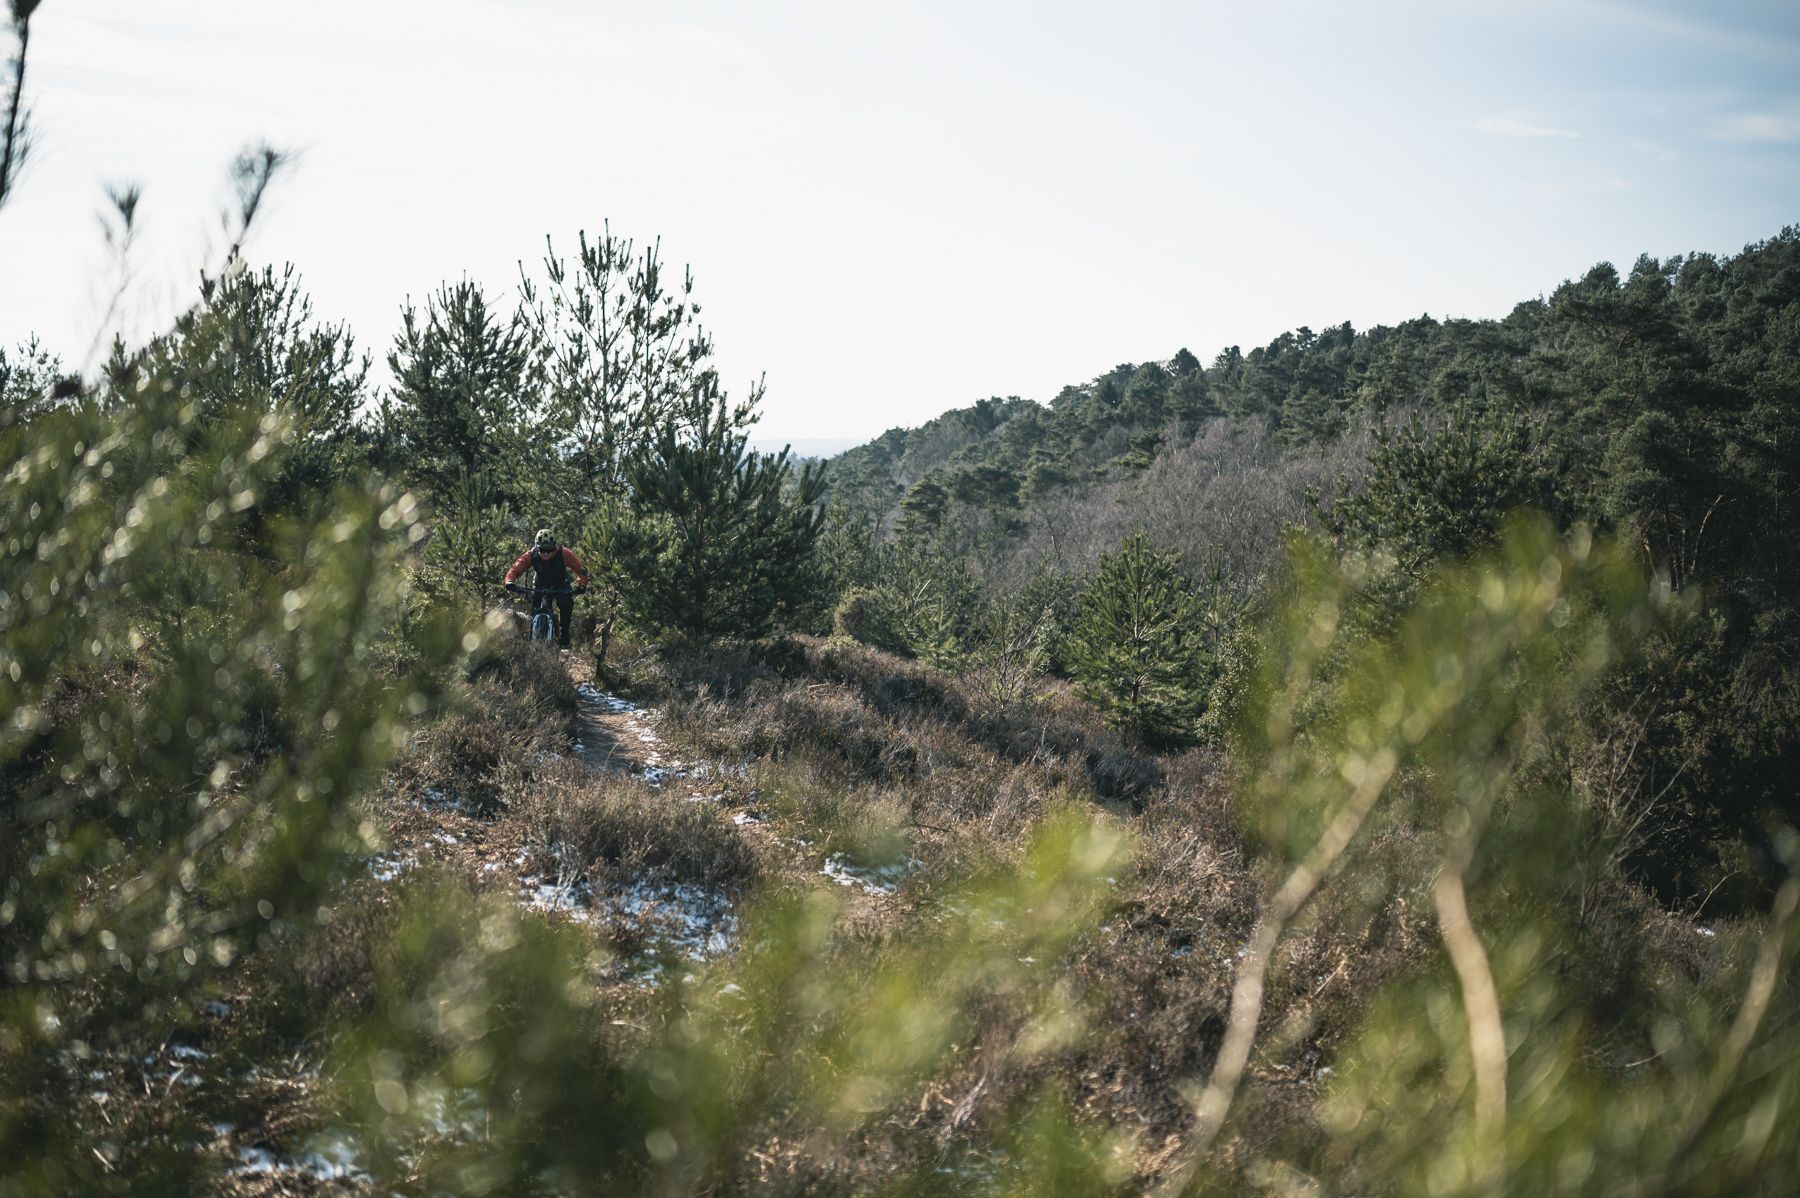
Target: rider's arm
{"x": 574, "y": 563}
{"x": 519, "y": 567}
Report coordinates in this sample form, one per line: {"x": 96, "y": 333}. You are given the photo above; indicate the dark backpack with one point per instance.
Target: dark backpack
{"x": 552, "y": 571}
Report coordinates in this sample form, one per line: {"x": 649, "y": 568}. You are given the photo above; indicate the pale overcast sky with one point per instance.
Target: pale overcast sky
{"x": 895, "y": 209}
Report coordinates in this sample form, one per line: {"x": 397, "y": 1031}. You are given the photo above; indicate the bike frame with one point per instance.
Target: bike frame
{"x": 543, "y": 623}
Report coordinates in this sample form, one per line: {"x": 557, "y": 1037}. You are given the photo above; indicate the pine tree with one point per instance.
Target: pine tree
{"x": 716, "y": 542}
{"x": 28, "y": 382}
{"x": 1444, "y": 492}
{"x": 461, "y": 376}
{"x": 1137, "y": 651}
{"x": 1190, "y": 396}
{"x": 923, "y": 510}
{"x": 473, "y": 538}
{"x": 624, "y": 356}
{"x": 1146, "y": 400}
{"x": 253, "y": 347}
{"x": 189, "y": 733}
{"x": 15, "y": 121}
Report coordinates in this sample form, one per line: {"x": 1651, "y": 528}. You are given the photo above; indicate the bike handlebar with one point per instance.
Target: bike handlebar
{"x": 519, "y": 590}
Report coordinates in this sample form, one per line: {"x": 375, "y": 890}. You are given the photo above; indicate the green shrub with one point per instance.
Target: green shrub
{"x": 865, "y": 615}
{"x": 716, "y": 542}
{"x": 194, "y": 712}
{"x": 1137, "y": 651}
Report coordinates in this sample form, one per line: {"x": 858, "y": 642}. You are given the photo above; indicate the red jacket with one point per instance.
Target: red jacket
{"x": 569, "y": 562}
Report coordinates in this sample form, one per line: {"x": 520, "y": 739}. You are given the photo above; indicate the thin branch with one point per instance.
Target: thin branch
{"x": 1481, "y": 1005}
{"x": 1247, "y": 994}
{"x": 1763, "y": 979}
{"x": 13, "y": 151}
{"x": 1765, "y": 975}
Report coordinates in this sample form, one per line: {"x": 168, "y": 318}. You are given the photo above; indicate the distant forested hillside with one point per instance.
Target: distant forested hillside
{"x": 1660, "y": 406}
{"x": 1663, "y": 401}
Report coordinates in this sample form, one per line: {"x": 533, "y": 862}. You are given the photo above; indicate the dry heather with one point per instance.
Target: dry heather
{"x": 876, "y": 757}
{"x": 616, "y": 829}
{"x": 811, "y": 763}
{"x": 518, "y": 710}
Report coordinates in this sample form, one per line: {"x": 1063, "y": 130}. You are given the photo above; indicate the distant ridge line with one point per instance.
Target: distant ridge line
{"x": 806, "y": 447}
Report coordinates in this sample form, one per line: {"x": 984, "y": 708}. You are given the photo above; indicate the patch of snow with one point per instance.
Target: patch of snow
{"x": 1706, "y": 931}
{"x": 447, "y": 838}
{"x": 612, "y": 704}
{"x": 438, "y": 800}
{"x": 721, "y": 769}
{"x": 331, "y": 1158}
{"x": 385, "y": 867}
{"x": 879, "y": 879}
{"x": 696, "y": 922}
{"x": 186, "y": 1052}
{"x": 328, "y": 1158}
{"x": 574, "y": 899}
{"x": 254, "y": 1160}
{"x": 747, "y": 817}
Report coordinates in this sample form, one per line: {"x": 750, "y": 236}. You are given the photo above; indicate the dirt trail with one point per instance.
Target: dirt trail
{"x": 616, "y": 735}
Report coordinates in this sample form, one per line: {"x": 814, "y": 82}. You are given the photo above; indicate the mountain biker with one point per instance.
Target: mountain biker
{"x": 550, "y": 564}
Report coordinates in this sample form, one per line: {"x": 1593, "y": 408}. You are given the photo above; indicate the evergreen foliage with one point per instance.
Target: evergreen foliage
{"x": 15, "y": 138}
{"x": 717, "y": 542}
{"x": 1136, "y": 650}
{"x": 463, "y": 376}
{"x": 188, "y": 729}
{"x": 624, "y": 357}
{"x": 29, "y": 379}
{"x": 473, "y": 539}
{"x": 1442, "y": 493}
{"x": 252, "y": 347}
{"x": 864, "y": 615}
{"x": 1443, "y": 729}
{"x": 1476, "y": 810}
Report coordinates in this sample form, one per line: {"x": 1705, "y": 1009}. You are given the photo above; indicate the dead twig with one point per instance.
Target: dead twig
{"x": 1247, "y": 993}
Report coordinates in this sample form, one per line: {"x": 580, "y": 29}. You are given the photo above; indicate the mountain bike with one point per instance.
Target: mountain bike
{"x": 543, "y": 619}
